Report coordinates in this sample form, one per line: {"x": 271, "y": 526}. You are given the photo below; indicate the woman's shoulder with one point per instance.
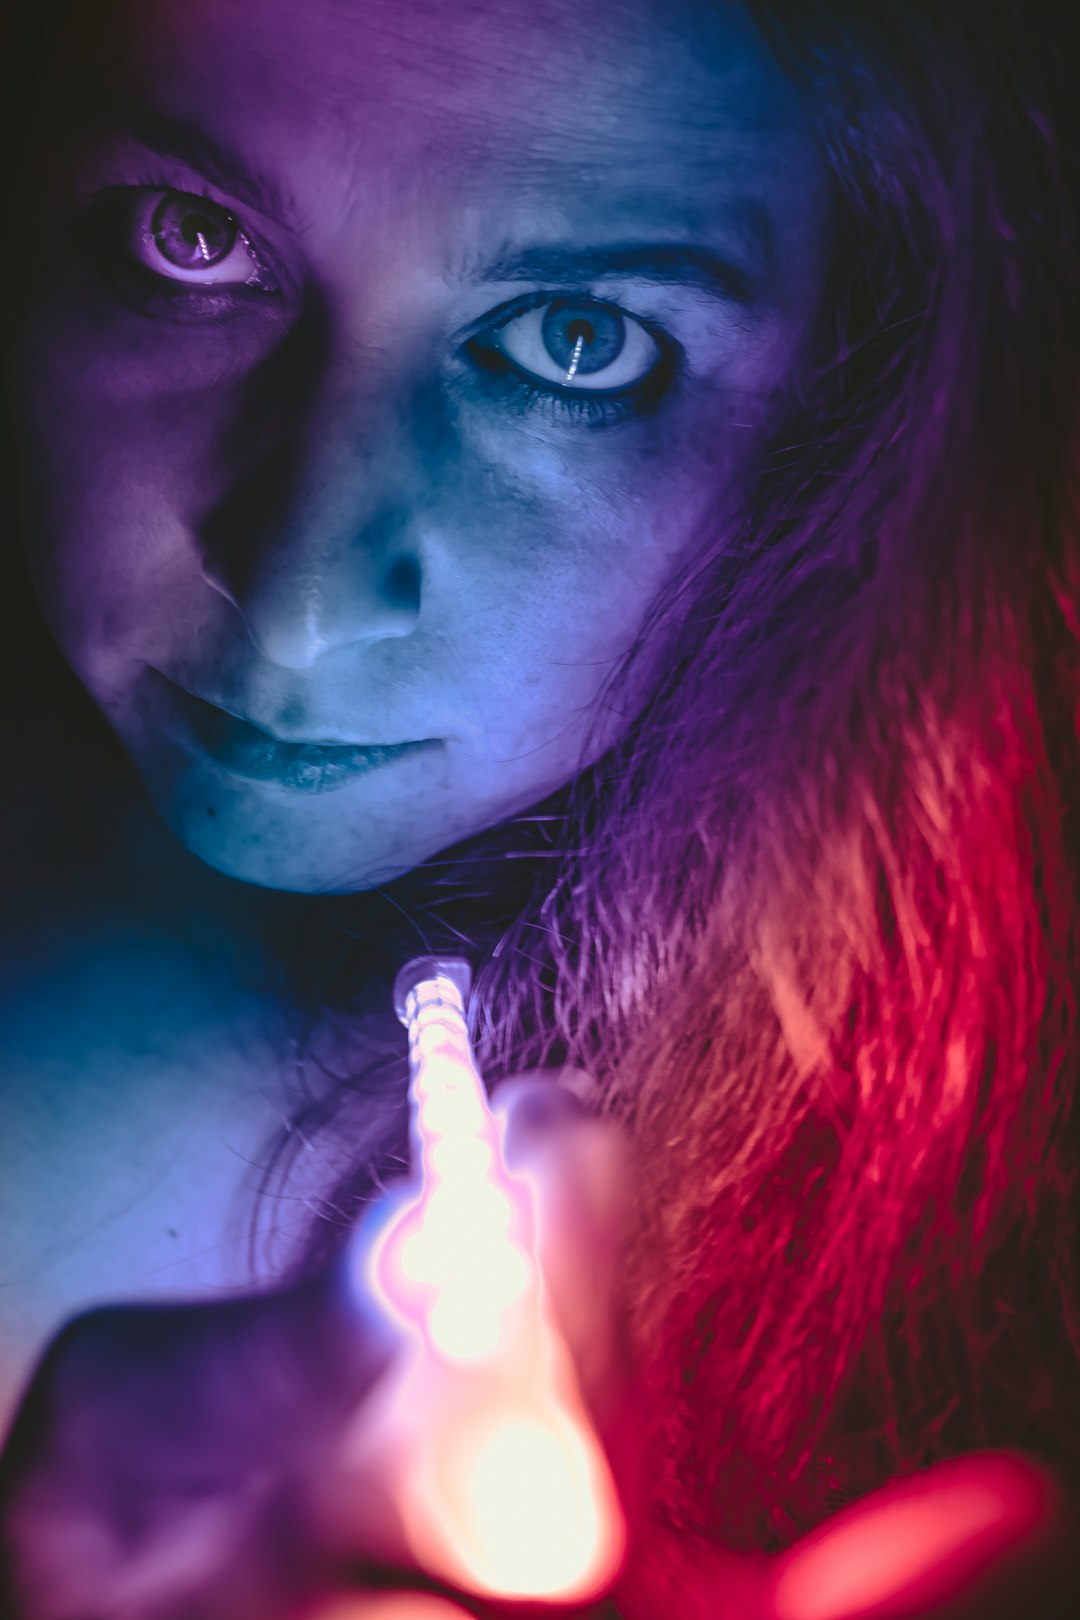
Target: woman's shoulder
{"x": 150, "y": 1058}
{"x": 141, "y": 1062}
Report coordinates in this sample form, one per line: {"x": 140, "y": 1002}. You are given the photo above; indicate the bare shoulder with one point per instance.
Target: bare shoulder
{"x": 141, "y": 1077}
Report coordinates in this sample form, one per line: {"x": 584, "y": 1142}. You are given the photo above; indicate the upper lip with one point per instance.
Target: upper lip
{"x": 323, "y": 741}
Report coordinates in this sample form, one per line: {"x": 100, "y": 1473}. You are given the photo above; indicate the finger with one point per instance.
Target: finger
{"x": 576, "y": 1166}
{"x": 422, "y": 1455}
{"x": 976, "y": 1538}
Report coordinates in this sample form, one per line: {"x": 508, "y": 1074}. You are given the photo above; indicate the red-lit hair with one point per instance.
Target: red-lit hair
{"x": 819, "y": 942}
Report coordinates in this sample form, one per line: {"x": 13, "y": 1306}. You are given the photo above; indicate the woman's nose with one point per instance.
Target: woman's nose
{"x": 305, "y": 601}
{"x": 318, "y": 549}
{"x": 308, "y": 592}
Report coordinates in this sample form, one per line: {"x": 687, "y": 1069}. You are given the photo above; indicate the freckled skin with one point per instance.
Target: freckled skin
{"x": 317, "y": 510}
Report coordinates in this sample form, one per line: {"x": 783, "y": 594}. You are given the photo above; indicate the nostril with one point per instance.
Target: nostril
{"x": 400, "y": 585}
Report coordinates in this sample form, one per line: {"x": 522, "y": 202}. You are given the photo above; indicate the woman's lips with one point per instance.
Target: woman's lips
{"x": 301, "y": 767}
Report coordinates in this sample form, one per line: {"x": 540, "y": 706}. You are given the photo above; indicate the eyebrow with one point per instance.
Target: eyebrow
{"x": 662, "y": 264}
{"x": 224, "y": 167}
{"x": 685, "y": 264}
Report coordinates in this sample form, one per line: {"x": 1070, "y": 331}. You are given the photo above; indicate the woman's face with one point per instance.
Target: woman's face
{"x": 382, "y": 364}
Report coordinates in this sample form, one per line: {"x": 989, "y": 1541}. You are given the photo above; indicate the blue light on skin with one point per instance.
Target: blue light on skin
{"x": 293, "y": 382}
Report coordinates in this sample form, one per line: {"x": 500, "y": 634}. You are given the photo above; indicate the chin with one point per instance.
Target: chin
{"x": 295, "y": 861}
{"x": 260, "y": 870}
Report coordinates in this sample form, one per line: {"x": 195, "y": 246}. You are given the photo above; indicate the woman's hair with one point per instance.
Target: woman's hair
{"x": 813, "y": 923}
{"x": 819, "y": 940}
{"x": 816, "y": 931}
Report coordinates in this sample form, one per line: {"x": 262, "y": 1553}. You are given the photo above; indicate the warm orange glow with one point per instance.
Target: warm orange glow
{"x": 388, "y": 1606}
{"x": 482, "y": 1437}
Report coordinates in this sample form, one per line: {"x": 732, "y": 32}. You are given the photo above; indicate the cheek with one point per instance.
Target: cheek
{"x": 573, "y": 543}
{"x": 608, "y": 516}
{"x": 104, "y": 546}
{"x": 113, "y": 447}
{"x": 124, "y": 411}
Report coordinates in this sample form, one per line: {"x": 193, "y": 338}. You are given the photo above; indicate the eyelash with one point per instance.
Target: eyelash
{"x": 148, "y": 291}
{"x": 595, "y": 406}
{"x": 109, "y": 224}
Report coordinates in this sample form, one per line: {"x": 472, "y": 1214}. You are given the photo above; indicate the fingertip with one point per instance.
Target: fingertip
{"x": 542, "y": 1099}
{"x": 582, "y": 1085}
{"x": 574, "y": 1157}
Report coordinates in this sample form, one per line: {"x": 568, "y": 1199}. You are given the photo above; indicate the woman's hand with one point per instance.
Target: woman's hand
{"x": 188, "y": 1463}
{"x": 193, "y": 1460}
{"x": 156, "y": 1464}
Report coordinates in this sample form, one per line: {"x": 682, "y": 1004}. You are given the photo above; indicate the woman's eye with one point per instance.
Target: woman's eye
{"x": 185, "y": 238}
{"x": 579, "y": 345}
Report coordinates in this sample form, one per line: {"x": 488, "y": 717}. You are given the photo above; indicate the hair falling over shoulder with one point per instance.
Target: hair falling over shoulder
{"x": 818, "y": 938}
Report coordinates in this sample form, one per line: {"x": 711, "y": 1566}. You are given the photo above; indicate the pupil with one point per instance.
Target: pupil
{"x": 599, "y": 329}
{"x": 195, "y": 226}
{"x": 189, "y": 236}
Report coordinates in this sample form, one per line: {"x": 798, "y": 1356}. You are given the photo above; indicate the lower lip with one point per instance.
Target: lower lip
{"x": 243, "y": 750}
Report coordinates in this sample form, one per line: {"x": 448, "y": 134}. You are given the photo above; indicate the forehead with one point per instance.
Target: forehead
{"x": 633, "y": 104}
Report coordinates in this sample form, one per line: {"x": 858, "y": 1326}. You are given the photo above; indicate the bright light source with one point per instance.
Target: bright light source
{"x": 483, "y": 1439}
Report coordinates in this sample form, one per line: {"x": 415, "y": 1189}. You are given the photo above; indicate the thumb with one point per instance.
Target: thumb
{"x": 153, "y": 1439}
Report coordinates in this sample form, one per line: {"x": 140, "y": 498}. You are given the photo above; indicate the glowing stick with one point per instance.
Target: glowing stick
{"x": 483, "y": 1442}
